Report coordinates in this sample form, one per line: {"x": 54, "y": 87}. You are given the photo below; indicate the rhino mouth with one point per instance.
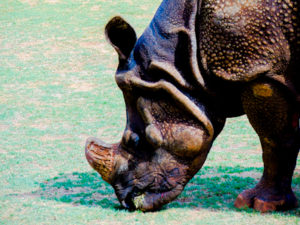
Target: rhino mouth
{"x": 139, "y": 184}
{"x": 147, "y": 193}
{"x": 133, "y": 200}
{"x": 148, "y": 200}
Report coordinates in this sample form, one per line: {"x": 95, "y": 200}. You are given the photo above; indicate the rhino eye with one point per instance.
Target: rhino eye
{"x": 174, "y": 172}
{"x": 130, "y": 139}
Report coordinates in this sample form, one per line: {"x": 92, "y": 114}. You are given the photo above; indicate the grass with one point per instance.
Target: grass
{"x": 57, "y": 88}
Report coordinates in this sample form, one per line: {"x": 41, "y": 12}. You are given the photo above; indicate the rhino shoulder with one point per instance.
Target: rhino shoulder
{"x": 240, "y": 40}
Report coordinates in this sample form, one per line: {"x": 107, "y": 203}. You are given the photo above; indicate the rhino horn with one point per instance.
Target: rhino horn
{"x": 100, "y": 156}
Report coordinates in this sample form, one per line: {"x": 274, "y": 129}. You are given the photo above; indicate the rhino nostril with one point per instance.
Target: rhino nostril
{"x": 130, "y": 139}
{"x": 134, "y": 139}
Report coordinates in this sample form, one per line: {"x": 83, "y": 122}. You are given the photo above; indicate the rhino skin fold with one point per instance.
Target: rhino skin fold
{"x": 196, "y": 64}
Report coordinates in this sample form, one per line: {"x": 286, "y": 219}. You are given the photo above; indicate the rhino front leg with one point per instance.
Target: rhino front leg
{"x": 275, "y": 118}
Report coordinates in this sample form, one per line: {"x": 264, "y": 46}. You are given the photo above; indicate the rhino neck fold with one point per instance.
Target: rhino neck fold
{"x": 174, "y": 26}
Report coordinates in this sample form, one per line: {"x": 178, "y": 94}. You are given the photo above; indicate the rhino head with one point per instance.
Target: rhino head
{"x": 169, "y": 131}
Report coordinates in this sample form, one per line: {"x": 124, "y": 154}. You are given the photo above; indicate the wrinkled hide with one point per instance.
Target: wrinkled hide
{"x": 198, "y": 63}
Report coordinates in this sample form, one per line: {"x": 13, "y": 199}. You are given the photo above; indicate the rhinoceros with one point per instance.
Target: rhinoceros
{"x": 196, "y": 64}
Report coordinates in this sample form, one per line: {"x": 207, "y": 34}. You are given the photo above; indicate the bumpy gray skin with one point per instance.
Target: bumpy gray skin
{"x": 198, "y": 63}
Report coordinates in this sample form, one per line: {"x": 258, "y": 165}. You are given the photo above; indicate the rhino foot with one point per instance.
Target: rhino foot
{"x": 264, "y": 199}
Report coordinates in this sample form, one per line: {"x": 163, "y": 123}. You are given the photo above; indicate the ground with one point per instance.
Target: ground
{"x": 57, "y": 88}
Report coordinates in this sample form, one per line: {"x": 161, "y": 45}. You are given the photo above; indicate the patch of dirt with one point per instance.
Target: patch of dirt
{"x": 43, "y": 167}
{"x": 29, "y": 2}
{"x": 3, "y": 127}
{"x": 52, "y": 1}
{"x": 94, "y": 45}
{"x": 128, "y": 1}
{"x": 70, "y": 187}
{"x": 82, "y": 86}
{"x": 69, "y": 67}
{"x": 44, "y": 124}
{"x": 96, "y": 8}
{"x": 144, "y": 7}
{"x": 83, "y": 138}
{"x": 24, "y": 56}
{"x": 236, "y": 148}
{"x": 28, "y": 44}
{"x": 41, "y": 83}
{"x": 57, "y": 193}
{"x": 41, "y": 124}
{"x": 255, "y": 175}
{"x": 185, "y": 200}
{"x": 106, "y": 137}
{"x": 52, "y": 51}
{"x": 54, "y": 137}
{"x": 19, "y": 119}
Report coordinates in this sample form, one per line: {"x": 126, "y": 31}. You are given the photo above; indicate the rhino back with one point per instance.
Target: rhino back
{"x": 242, "y": 39}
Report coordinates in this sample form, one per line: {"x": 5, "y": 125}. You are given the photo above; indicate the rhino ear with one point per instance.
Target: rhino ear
{"x": 121, "y": 36}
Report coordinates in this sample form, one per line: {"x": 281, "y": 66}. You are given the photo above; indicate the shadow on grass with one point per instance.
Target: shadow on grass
{"x": 212, "y": 188}
{"x": 79, "y": 189}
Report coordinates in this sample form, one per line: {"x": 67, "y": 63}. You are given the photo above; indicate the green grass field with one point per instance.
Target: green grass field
{"x": 57, "y": 88}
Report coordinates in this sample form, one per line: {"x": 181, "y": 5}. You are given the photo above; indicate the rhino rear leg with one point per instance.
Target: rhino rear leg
{"x": 273, "y": 114}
